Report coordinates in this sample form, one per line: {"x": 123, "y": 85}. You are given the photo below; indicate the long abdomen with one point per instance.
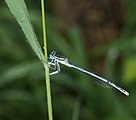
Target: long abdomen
{"x": 100, "y": 78}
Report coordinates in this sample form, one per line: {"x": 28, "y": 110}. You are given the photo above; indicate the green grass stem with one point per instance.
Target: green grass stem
{"x": 48, "y": 88}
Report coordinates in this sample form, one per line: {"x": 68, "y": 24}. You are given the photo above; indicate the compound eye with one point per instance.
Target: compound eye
{"x": 53, "y": 53}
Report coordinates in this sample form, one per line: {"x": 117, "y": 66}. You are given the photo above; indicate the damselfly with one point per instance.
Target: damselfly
{"x": 56, "y": 61}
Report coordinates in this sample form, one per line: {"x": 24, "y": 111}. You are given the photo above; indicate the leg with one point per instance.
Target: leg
{"x": 52, "y": 65}
{"x": 49, "y": 64}
{"x": 57, "y": 67}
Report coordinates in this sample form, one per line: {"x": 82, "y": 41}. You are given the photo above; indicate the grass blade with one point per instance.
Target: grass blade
{"x": 19, "y": 10}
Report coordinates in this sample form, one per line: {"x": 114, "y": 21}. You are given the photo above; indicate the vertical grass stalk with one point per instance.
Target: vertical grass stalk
{"x": 48, "y": 88}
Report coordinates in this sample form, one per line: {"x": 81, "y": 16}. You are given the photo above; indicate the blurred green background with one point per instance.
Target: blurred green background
{"x": 97, "y": 35}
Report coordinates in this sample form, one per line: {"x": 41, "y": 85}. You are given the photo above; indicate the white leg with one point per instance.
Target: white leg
{"x": 52, "y": 64}
{"x": 57, "y": 67}
{"x": 53, "y": 73}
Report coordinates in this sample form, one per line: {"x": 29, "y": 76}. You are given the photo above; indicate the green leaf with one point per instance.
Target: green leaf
{"x": 129, "y": 73}
{"x": 19, "y": 10}
{"x": 18, "y": 71}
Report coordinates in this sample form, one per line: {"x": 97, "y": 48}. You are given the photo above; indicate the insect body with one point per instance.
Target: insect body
{"x": 56, "y": 61}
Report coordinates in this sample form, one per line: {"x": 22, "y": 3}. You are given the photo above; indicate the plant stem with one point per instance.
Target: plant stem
{"x": 48, "y": 88}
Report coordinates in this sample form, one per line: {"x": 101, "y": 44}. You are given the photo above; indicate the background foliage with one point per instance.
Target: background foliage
{"x": 22, "y": 94}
